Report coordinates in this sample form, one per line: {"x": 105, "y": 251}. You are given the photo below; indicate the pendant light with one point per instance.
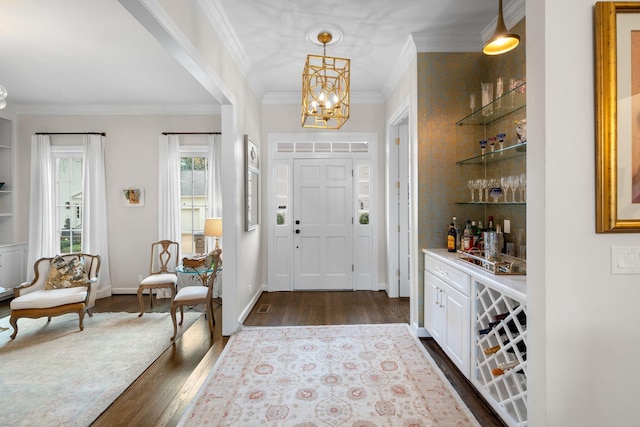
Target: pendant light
{"x": 325, "y": 89}
{"x": 502, "y": 41}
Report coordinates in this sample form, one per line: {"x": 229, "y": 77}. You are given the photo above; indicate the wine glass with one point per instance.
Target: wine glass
{"x": 515, "y": 179}
{"x": 523, "y": 187}
{"x": 479, "y": 187}
{"x": 504, "y": 183}
{"x": 472, "y": 102}
{"x": 501, "y": 138}
{"x": 483, "y": 146}
{"x": 486, "y": 187}
{"x": 471, "y": 185}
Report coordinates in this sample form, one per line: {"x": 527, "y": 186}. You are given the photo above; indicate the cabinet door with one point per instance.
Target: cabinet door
{"x": 12, "y": 266}
{"x": 433, "y": 313}
{"x": 457, "y": 335}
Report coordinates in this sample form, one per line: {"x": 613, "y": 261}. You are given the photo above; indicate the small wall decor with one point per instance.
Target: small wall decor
{"x": 617, "y": 73}
{"x": 133, "y": 197}
{"x": 252, "y": 184}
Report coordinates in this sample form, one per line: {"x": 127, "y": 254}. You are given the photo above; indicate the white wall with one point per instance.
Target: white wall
{"x": 584, "y": 335}
{"x": 131, "y": 157}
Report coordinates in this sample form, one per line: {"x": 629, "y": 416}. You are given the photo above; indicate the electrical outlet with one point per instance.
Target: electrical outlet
{"x": 506, "y": 228}
{"x": 140, "y": 277}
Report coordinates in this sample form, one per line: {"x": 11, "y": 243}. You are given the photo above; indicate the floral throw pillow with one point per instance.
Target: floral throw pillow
{"x": 66, "y": 274}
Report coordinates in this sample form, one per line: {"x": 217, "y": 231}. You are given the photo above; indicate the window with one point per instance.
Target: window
{"x": 194, "y": 195}
{"x": 68, "y": 199}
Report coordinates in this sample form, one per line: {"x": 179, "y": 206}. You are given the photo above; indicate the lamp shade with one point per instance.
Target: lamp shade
{"x": 213, "y": 227}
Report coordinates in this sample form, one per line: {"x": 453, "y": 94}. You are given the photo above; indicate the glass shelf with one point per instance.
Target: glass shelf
{"x": 508, "y": 103}
{"x": 507, "y": 153}
{"x": 493, "y": 203}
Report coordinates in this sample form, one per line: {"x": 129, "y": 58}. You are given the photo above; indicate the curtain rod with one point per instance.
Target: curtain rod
{"x": 192, "y": 133}
{"x": 71, "y": 133}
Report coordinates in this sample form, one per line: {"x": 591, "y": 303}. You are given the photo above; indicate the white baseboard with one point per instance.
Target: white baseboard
{"x": 254, "y": 299}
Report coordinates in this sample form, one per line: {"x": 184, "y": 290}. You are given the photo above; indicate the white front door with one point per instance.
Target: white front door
{"x": 323, "y": 224}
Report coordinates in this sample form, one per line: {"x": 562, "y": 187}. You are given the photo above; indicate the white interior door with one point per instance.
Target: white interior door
{"x": 323, "y": 224}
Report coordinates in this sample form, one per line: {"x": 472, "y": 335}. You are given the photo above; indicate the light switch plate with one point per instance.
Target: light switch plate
{"x": 507, "y": 226}
{"x": 625, "y": 260}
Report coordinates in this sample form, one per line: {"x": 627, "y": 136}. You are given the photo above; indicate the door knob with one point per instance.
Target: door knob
{"x": 297, "y": 231}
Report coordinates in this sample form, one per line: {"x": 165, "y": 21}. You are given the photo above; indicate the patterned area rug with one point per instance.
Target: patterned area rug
{"x": 368, "y": 375}
{"x": 53, "y": 374}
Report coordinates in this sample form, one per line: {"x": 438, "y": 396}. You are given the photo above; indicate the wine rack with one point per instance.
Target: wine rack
{"x": 501, "y": 341}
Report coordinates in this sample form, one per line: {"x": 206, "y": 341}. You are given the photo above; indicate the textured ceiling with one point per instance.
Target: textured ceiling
{"x": 95, "y": 53}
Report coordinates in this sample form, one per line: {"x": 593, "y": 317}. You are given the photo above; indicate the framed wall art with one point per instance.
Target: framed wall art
{"x": 617, "y": 73}
{"x": 133, "y": 197}
{"x": 252, "y": 184}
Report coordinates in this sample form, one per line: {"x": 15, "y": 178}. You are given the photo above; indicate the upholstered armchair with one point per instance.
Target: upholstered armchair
{"x": 62, "y": 284}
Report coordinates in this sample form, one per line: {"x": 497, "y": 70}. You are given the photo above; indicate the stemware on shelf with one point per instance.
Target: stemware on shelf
{"x": 504, "y": 183}
{"x": 483, "y": 146}
{"x": 499, "y": 92}
{"x": 501, "y": 138}
{"x": 472, "y": 102}
{"x": 471, "y": 185}
{"x": 515, "y": 183}
{"x": 487, "y": 99}
{"x": 523, "y": 187}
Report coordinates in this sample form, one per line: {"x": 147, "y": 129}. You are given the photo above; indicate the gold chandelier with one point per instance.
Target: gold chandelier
{"x": 325, "y": 89}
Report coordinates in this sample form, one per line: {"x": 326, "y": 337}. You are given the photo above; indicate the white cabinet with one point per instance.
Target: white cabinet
{"x": 480, "y": 321}
{"x": 447, "y": 311}
{"x": 13, "y": 267}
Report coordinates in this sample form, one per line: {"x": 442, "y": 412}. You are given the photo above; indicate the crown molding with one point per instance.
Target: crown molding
{"x": 214, "y": 12}
{"x": 115, "y": 109}
{"x": 400, "y": 65}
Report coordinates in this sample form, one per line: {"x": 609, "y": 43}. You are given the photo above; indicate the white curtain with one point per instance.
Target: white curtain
{"x": 169, "y": 188}
{"x": 169, "y": 195}
{"x": 94, "y": 209}
{"x": 42, "y": 232}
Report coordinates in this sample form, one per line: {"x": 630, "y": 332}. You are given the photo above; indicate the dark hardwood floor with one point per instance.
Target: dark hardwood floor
{"x": 162, "y": 393}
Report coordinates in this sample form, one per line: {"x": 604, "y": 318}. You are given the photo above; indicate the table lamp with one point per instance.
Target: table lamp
{"x": 213, "y": 228}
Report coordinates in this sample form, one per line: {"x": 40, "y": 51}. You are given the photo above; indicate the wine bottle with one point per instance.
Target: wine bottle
{"x": 491, "y": 350}
{"x": 474, "y": 234}
{"x": 488, "y": 328}
{"x": 458, "y": 234}
{"x": 490, "y": 224}
{"x": 467, "y": 240}
{"x": 503, "y": 367}
{"x": 451, "y": 239}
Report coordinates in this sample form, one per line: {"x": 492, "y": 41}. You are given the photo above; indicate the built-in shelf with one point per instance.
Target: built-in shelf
{"x": 506, "y": 153}
{"x": 508, "y": 103}
{"x": 492, "y": 203}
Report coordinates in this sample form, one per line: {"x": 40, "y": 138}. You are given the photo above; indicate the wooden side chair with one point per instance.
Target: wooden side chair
{"x": 194, "y": 295}
{"x": 162, "y": 270}
{"x": 62, "y": 284}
